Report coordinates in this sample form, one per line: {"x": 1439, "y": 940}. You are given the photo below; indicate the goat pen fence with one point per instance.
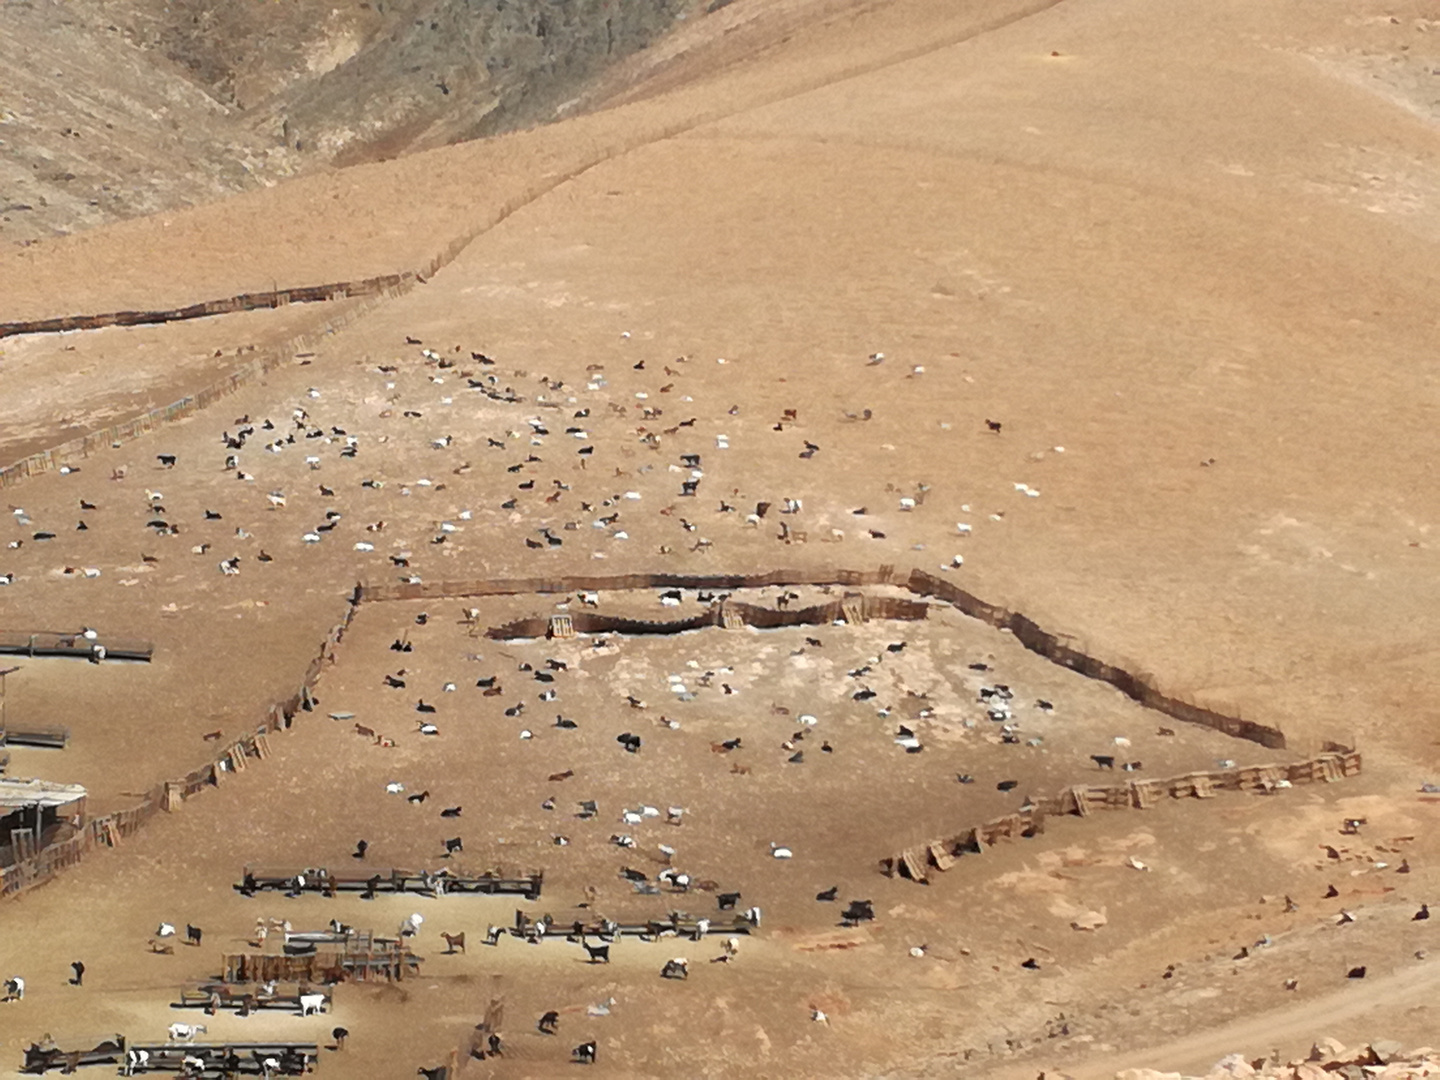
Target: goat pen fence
{"x": 1053, "y": 646}
{"x": 109, "y": 830}
{"x": 916, "y": 861}
{"x": 376, "y": 290}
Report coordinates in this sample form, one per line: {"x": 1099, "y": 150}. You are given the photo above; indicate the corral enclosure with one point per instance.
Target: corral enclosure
{"x": 717, "y": 685}
{"x": 837, "y": 691}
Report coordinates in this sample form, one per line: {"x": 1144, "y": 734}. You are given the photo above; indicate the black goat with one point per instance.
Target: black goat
{"x": 857, "y": 912}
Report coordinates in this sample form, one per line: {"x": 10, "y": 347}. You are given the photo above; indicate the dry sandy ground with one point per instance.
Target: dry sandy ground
{"x": 68, "y": 385}
{"x": 325, "y": 788}
{"x": 1127, "y": 232}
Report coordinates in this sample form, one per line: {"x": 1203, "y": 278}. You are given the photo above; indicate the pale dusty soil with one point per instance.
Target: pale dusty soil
{"x": 61, "y": 386}
{"x": 1137, "y": 250}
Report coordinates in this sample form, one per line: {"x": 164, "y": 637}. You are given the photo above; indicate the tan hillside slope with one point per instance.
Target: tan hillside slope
{"x": 1156, "y": 248}
{"x": 1119, "y": 314}
{"x": 383, "y": 218}
{"x": 117, "y": 108}
{"x": 1153, "y": 245}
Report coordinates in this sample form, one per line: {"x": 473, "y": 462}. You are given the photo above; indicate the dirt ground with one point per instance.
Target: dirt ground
{"x": 325, "y": 788}
{"x": 47, "y": 375}
{"x": 1183, "y": 266}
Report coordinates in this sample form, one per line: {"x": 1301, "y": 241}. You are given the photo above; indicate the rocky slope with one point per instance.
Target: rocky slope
{"x": 118, "y": 108}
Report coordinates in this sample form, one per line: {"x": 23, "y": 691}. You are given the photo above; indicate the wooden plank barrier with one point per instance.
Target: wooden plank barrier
{"x": 330, "y": 881}
{"x": 170, "y": 795}
{"x": 1054, "y": 647}
{"x": 1080, "y": 800}
{"x": 374, "y": 291}
{"x": 729, "y": 614}
{"x": 246, "y": 998}
{"x": 96, "y": 441}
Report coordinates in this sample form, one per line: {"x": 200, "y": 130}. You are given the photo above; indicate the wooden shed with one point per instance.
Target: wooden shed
{"x": 35, "y": 814}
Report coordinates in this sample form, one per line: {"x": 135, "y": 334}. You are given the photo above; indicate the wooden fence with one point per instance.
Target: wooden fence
{"x": 49, "y": 460}
{"x": 108, "y": 831}
{"x": 329, "y": 966}
{"x": 917, "y": 861}
{"x": 440, "y": 590}
{"x": 376, "y": 291}
{"x": 275, "y": 298}
{"x": 729, "y": 613}
{"x": 1055, "y": 647}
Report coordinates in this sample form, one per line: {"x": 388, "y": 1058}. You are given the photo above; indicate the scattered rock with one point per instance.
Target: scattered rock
{"x": 1385, "y": 1051}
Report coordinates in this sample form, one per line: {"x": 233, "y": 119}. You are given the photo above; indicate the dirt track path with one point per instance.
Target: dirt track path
{"x": 1291, "y": 1029}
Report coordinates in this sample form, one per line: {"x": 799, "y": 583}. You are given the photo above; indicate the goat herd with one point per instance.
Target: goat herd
{"x": 275, "y": 471}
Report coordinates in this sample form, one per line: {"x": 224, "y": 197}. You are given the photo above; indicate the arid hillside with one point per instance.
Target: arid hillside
{"x": 1116, "y": 319}
{"x": 116, "y": 108}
